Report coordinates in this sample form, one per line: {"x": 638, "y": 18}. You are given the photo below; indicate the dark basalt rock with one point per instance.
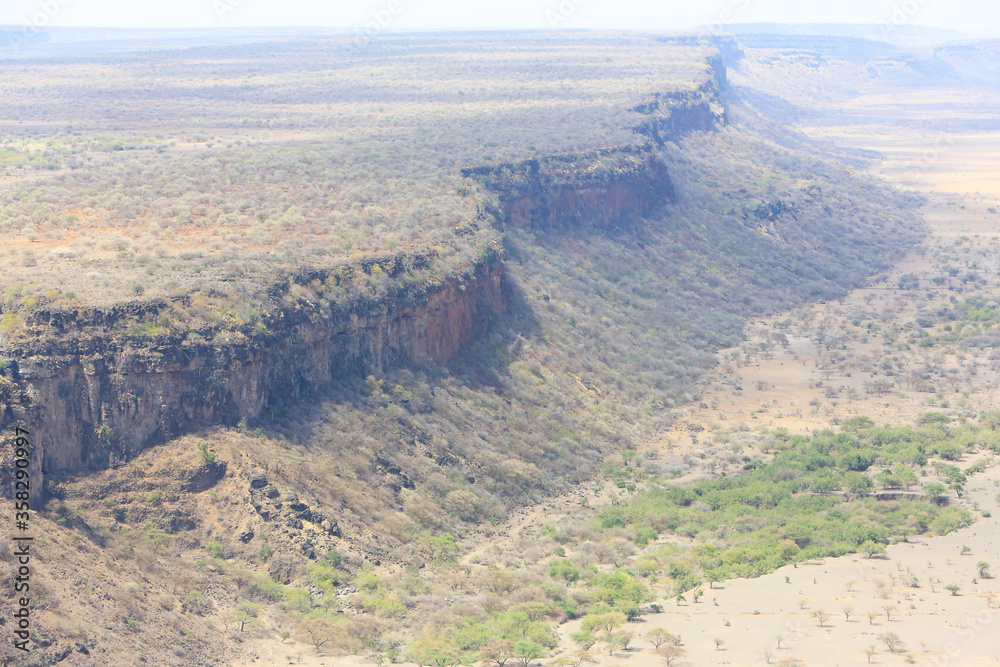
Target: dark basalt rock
{"x": 205, "y": 477}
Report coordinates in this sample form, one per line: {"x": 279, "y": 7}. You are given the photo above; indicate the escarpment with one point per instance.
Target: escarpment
{"x": 97, "y": 386}
{"x": 604, "y": 188}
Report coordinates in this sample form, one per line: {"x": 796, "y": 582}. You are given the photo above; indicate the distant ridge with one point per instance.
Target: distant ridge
{"x": 888, "y": 32}
{"x": 30, "y": 42}
{"x": 22, "y": 36}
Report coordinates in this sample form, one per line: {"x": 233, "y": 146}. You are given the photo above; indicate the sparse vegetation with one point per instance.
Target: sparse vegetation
{"x": 370, "y": 498}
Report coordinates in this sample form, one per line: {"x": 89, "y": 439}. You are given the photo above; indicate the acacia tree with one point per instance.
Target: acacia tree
{"x": 579, "y": 658}
{"x": 615, "y": 641}
{"x": 891, "y": 641}
{"x": 434, "y": 650}
{"x": 499, "y": 582}
{"x": 584, "y": 639}
{"x": 935, "y": 491}
{"x": 659, "y": 636}
{"x": 607, "y": 622}
{"x": 525, "y": 651}
{"x": 497, "y": 652}
{"x": 245, "y": 614}
{"x": 670, "y": 653}
{"x": 317, "y": 631}
{"x": 871, "y": 549}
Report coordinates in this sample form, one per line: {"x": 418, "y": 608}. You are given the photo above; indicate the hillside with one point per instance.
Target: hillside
{"x": 282, "y": 370}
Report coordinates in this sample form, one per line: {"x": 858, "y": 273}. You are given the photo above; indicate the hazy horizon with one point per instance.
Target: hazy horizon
{"x": 976, "y": 18}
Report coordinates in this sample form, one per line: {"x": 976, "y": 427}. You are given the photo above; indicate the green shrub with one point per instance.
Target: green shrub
{"x": 214, "y": 548}
{"x": 207, "y": 457}
{"x": 564, "y": 569}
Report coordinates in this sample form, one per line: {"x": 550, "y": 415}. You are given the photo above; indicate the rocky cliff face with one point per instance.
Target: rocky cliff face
{"x": 599, "y": 189}
{"x": 670, "y": 116}
{"x": 93, "y": 397}
{"x": 604, "y": 188}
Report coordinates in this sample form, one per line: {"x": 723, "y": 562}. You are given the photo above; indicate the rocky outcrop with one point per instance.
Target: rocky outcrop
{"x": 598, "y": 190}
{"x": 669, "y": 116}
{"x": 93, "y": 396}
{"x": 605, "y": 188}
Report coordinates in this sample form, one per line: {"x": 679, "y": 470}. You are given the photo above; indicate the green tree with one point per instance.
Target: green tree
{"x": 535, "y": 611}
{"x": 614, "y": 641}
{"x": 935, "y": 491}
{"x": 246, "y": 613}
{"x": 871, "y": 549}
{"x": 525, "y": 651}
{"x": 658, "y": 636}
{"x": 434, "y": 650}
{"x": 583, "y": 638}
{"x": 564, "y": 569}
{"x": 604, "y": 622}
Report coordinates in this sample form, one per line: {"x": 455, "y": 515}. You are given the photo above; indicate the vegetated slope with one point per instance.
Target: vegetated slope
{"x": 608, "y": 326}
{"x": 811, "y": 498}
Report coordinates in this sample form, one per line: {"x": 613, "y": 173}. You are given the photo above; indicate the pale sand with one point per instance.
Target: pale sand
{"x": 936, "y": 627}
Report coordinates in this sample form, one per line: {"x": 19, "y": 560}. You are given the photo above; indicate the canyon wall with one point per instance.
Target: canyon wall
{"x": 93, "y": 397}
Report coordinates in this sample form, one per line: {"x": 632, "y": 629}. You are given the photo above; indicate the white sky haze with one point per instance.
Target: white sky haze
{"x": 979, "y": 18}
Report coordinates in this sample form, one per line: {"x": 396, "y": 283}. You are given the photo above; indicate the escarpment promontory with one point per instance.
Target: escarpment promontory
{"x": 602, "y": 188}
{"x": 597, "y": 190}
{"x": 97, "y": 386}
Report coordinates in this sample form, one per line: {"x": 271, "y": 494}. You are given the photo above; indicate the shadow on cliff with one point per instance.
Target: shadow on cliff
{"x": 481, "y": 365}
{"x": 485, "y": 363}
